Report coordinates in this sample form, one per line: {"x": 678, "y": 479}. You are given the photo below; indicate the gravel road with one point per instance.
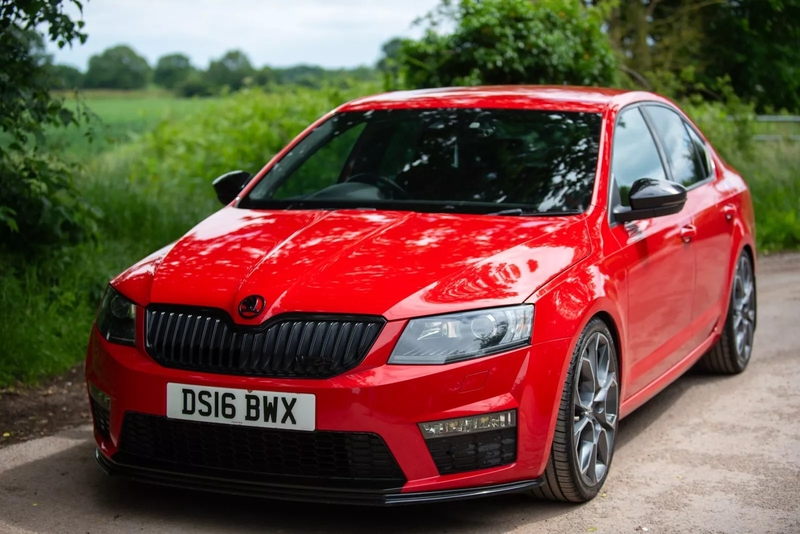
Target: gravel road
{"x": 708, "y": 454}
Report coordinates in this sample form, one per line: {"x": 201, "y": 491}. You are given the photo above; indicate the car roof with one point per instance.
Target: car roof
{"x": 545, "y": 97}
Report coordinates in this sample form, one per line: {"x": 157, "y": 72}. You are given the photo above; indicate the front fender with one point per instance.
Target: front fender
{"x": 563, "y": 309}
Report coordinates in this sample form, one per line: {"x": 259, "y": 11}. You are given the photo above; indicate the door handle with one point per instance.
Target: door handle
{"x": 688, "y": 232}
{"x": 729, "y": 210}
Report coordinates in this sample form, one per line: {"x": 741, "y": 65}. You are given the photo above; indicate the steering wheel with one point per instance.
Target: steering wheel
{"x": 376, "y": 179}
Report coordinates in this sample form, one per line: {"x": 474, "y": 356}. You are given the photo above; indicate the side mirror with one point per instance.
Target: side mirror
{"x": 229, "y": 185}
{"x": 652, "y": 198}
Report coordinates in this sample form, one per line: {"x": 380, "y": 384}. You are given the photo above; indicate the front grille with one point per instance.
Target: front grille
{"x": 101, "y": 418}
{"x": 258, "y": 454}
{"x": 288, "y": 346}
{"x": 474, "y": 451}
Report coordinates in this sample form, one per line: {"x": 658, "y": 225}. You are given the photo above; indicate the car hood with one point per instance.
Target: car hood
{"x": 389, "y": 263}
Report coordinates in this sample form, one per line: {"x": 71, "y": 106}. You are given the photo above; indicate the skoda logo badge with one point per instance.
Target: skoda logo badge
{"x": 252, "y": 306}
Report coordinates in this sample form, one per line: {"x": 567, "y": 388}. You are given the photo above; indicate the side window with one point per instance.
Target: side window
{"x": 635, "y": 154}
{"x": 686, "y": 166}
{"x": 323, "y": 168}
{"x": 700, "y": 150}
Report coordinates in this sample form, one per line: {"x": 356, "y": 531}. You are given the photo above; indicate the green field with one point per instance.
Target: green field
{"x": 149, "y": 175}
{"x": 118, "y": 117}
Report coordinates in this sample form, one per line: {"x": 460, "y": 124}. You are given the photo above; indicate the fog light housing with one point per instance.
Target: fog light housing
{"x": 101, "y": 410}
{"x": 99, "y": 396}
{"x": 467, "y": 425}
{"x": 472, "y": 443}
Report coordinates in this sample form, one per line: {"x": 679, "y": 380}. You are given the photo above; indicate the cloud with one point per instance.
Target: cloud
{"x": 331, "y": 33}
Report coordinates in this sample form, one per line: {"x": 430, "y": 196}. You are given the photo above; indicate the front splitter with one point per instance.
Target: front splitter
{"x": 304, "y": 493}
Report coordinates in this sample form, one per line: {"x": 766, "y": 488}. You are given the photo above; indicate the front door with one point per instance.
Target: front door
{"x": 661, "y": 264}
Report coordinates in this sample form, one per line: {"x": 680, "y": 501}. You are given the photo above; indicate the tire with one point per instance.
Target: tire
{"x": 590, "y": 407}
{"x": 731, "y": 353}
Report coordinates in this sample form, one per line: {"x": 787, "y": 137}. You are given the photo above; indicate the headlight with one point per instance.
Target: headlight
{"x": 116, "y": 319}
{"x": 461, "y": 336}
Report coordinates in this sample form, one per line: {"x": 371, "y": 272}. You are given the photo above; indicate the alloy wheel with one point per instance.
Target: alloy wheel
{"x": 744, "y": 309}
{"x": 596, "y": 409}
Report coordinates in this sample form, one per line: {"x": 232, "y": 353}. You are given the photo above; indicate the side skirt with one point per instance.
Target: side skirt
{"x": 650, "y": 391}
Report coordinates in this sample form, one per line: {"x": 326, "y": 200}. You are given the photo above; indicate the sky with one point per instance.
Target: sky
{"x": 279, "y": 33}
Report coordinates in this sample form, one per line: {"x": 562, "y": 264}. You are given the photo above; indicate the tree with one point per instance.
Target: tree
{"x": 118, "y": 67}
{"x": 193, "y": 85}
{"x": 510, "y": 42}
{"x": 231, "y": 70}
{"x": 687, "y": 46}
{"x": 390, "y": 54}
{"x": 757, "y": 44}
{"x": 65, "y": 77}
{"x": 38, "y": 200}
{"x": 389, "y": 63}
{"x": 265, "y": 76}
{"x": 311, "y": 76}
{"x": 171, "y": 70}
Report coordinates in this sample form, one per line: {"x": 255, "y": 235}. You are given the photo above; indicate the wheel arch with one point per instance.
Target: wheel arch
{"x": 748, "y": 249}
{"x": 743, "y": 246}
{"x": 612, "y": 327}
{"x": 563, "y": 309}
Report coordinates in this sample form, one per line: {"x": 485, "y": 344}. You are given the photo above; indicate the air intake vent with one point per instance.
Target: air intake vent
{"x": 457, "y": 454}
{"x": 239, "y": 453}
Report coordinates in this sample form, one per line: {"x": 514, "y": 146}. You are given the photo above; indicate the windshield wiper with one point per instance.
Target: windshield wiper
{"x": 513, "y": 211}
{"x": 522, "y": 212}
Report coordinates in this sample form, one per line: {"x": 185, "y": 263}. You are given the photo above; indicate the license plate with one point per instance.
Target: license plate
{"x": 267, "y": 409}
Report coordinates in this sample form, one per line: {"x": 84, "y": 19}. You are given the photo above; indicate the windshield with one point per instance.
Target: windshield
{"x": 447, "y": 160}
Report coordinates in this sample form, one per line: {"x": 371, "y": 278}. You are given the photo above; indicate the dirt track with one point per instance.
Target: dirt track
{"x": 708, "y": 454}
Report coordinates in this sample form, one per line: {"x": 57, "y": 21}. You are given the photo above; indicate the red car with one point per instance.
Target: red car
{"x": 430, "y": 295}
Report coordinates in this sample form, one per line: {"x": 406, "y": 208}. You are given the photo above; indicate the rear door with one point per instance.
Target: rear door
{"x": 660, "y": 264}
{"x": 713, "y": 231}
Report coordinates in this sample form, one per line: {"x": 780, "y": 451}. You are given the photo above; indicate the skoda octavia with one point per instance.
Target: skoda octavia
{"x": 430, "y": 295}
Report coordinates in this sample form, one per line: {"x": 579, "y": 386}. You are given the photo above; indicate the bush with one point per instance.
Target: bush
{"x": 46, "y": 310}
{"x": 510, "y": 42}
{"x": 729, "y": 126}
{"x": 42, "y": 205}
{"x": 193, "y": 85}
{"x": 771, "y": 173}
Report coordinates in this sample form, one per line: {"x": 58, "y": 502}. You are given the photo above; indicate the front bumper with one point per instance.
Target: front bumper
{"x": 386, "y": 400}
